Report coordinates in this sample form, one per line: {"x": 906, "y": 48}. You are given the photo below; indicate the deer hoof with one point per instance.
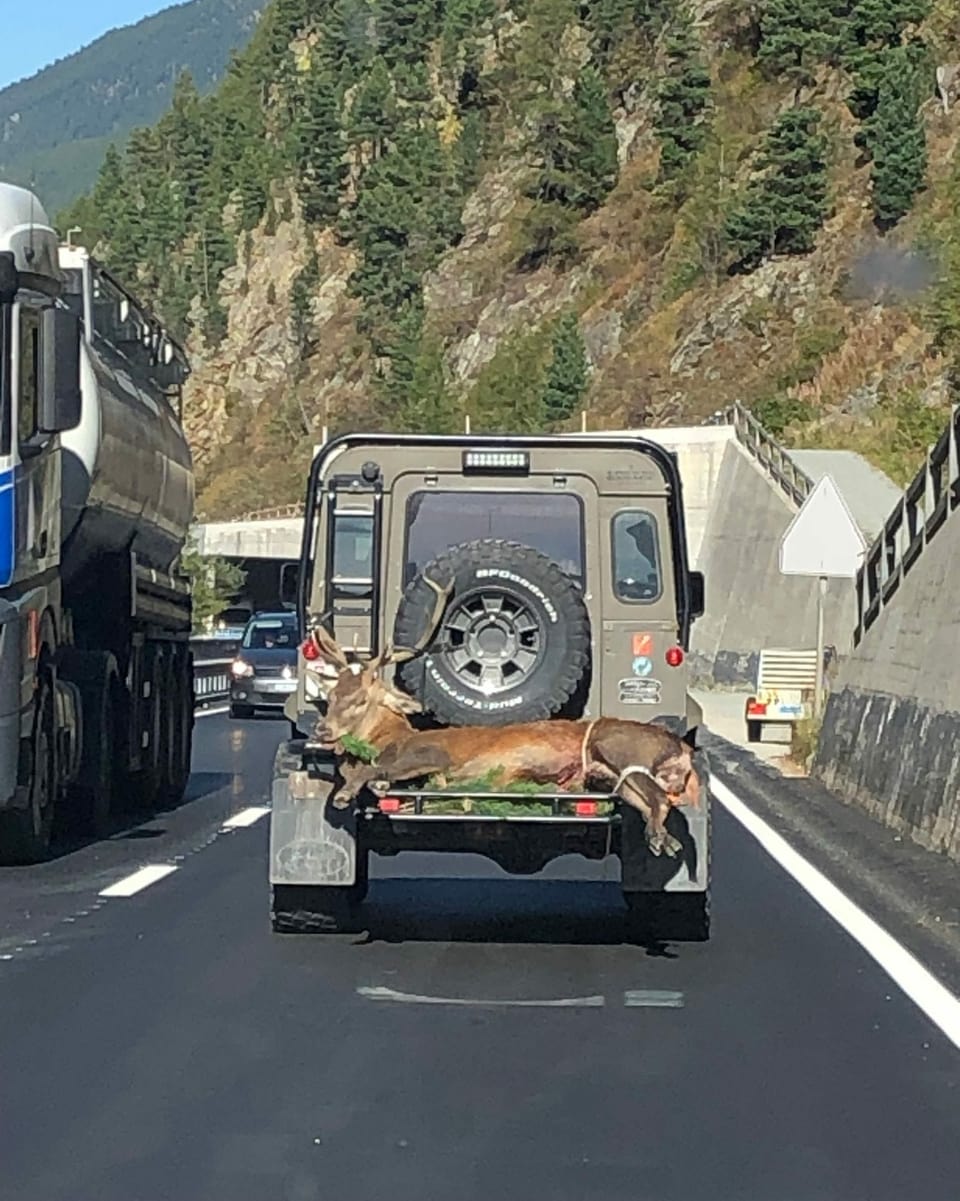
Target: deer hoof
{"x": 341, "y": 802}
{"x": 379, "y": 787}
{"x": 672, "y": 846}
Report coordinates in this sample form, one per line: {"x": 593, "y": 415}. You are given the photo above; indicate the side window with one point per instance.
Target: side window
{"x": 28, "y": 373}
{"x": 352, "y": 555}
{"x": 636, "y": 557}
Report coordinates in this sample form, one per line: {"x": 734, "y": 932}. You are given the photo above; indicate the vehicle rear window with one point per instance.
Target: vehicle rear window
{"x": 549, "y": 523}
{"x": 637, "y": 576}
{"x": 269, "y": 634}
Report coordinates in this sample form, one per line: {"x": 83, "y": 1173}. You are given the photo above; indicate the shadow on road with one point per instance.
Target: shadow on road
{"x": 452, "y": 910}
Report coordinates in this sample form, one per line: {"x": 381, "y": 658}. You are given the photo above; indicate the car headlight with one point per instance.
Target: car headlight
{"x": 240, "y": 668}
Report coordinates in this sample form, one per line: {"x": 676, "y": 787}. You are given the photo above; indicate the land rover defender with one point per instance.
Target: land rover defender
{"x": 569, "y": 595}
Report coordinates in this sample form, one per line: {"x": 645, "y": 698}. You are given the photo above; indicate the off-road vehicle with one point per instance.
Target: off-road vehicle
{"x": 569, "y": 595}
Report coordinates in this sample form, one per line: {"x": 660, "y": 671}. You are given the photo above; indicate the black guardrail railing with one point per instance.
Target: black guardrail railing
{"x": 927, "y": 502}
{"x": 211, "y": 669}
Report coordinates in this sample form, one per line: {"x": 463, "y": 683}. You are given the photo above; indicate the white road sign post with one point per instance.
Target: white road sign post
{"x": 824, "y": 541}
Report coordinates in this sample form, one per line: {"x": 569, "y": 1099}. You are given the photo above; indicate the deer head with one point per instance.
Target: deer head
{"x": 357, "y": 696}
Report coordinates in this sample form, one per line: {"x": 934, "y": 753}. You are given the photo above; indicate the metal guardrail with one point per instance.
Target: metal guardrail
{"x": 211, "y": 669}
{"x": 279, "y": 511}
{"x": 927, "y": 502}
{"x": 766, "y": 451}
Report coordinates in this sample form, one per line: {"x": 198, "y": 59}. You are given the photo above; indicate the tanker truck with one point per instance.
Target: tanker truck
{"x": 96, "y": 498}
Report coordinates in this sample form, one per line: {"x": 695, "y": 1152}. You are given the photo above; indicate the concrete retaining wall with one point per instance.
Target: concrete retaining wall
{"x": 750, "y": 605}
{"x": 891, "y": 733}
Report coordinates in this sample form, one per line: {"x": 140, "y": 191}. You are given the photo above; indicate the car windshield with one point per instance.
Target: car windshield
{"x": 270, "y": 634}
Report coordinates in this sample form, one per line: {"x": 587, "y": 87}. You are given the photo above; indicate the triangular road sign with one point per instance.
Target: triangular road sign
{"x": 823, "y": 539}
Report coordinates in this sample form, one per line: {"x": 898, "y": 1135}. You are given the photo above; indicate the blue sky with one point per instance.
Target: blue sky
{"x": 36, "y": 32}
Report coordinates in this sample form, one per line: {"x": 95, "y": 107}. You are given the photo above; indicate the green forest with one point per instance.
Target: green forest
{"x": 383, "y": 115}
{"x": 56, "y": 125}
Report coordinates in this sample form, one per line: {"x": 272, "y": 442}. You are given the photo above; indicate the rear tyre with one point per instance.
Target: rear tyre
{"x": 26, "y": 833}
{"x": 668, "y": 916}
{"x": 513, "y": 641}
{"x": 241, "y": 711}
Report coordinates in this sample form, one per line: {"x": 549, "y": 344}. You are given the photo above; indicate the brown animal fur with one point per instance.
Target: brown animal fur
{"x": 646, "y": 765}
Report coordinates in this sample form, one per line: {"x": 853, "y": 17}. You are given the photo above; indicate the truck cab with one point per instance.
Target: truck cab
{"x": 571, "y": 597}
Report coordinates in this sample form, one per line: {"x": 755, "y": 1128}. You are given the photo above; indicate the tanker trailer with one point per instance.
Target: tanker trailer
{"x": 96, "y": 497}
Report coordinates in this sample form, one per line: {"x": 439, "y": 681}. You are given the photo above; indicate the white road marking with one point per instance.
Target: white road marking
{"x": 246, "y": 817}
{"x": 652, "y": 998}
{"x": 921, "y": 986}
{"x": 212, "y": 712}
{"x": 139, "y": 880}
{"x": 390, "y": 994}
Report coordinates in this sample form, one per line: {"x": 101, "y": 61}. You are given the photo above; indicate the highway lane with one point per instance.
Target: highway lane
{"x": 167, "y": 1045}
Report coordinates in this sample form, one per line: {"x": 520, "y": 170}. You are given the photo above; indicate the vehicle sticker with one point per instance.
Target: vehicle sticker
{"x": 642, "y": 666}
{"x": 642, "y": 644}
{"x": 639, "y": 692}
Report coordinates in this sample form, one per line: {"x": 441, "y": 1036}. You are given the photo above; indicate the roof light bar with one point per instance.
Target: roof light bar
{"x": 496, "y": 462}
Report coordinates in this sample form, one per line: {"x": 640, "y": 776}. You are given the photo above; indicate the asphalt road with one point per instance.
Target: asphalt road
{"x": 167, "y": 1047}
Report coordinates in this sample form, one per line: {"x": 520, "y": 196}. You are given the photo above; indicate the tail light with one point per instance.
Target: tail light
{"x": 674, "y": 656}
{"x": 585, "y": 808}
{"x": 310, "y": 650}
{"x": 389, "y": 804}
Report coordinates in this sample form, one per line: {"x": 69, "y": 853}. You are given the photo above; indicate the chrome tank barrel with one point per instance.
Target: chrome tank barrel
{"x": 127, "y": 471}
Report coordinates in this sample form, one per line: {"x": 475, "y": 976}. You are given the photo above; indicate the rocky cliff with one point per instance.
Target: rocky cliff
{"x": 523, "y": 211}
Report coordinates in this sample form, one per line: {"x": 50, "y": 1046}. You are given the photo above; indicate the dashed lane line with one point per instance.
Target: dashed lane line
{"x": 633, "y": 998}
{"x": 139, "y": 880}
{"x": 246, "y": 817}
{"x": 921, "y": 986}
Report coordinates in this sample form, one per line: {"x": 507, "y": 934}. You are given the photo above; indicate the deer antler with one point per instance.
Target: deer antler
{"x": 330, "y": 647}
{"x": 401, "y": 654}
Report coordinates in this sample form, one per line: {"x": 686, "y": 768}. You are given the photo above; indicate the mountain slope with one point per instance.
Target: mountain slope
{"x": 56, "y": 125}
{"x": 403, "y": 213}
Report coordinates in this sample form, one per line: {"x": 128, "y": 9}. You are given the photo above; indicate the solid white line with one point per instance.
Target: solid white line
{"x": 139, "y": 880}
{"x": 212, "y": 712}
{"x": 246, "y": 817}
{"x": 389, "y": 994}
{"x": 921, "y": 986}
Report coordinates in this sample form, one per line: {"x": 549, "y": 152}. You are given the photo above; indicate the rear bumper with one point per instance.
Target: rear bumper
{"x": 261, "y": 694}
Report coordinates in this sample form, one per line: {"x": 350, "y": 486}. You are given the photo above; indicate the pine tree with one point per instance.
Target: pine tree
{"x": 578, "y": 141}
{"x": 795, "y": 35}
{"x": 566, "y": 379}
{"x": 347, "y": 44}
{"x": 318, "y": 147}
{"x": 683, "y": 94}
{"x": 896, "y": 139}
{"x": 784, "y": 208}
{"x": 373, "y": 117}
{"x": 405, "y": 29}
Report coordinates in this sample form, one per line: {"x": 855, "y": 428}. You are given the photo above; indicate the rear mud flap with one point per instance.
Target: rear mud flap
{"x": 311, "y": 842}
{"x": 689, "y": 871}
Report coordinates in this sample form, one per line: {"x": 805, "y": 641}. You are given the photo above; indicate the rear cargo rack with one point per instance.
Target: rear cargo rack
{"x": 564, "y": 806}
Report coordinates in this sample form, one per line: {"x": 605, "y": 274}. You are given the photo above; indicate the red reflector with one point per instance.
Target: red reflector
{"x": 310, "y": 650}
{"x": 674, "y": 656}
{"x": 586, "y": 808}
{"x": 389, "y": 804}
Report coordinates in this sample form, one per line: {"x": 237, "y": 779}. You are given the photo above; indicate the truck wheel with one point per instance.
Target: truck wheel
{"x": 513, "y": 641}
{"x": 25, "y": 833}
{"x": 182, "y": 725}
{"x": 91, "y": 798}
{"x": 315, "y": 908}
{"x": 668, "y": 916}
{"x": 150, "y": 777}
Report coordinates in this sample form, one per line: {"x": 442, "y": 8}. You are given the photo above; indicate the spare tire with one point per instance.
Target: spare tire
{"x": 513, "y": 643}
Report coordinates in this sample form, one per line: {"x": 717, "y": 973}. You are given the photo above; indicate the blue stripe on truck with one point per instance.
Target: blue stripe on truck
{"x": 8, "y": 528}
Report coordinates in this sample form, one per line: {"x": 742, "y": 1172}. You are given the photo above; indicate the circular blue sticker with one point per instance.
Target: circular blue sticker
{"x": 642, "y": 666}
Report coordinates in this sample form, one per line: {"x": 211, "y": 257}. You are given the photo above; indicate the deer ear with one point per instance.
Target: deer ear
{"x": 399, "y": 702}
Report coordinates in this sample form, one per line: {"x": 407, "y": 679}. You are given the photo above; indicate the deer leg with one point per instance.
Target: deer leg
{"x": 654, "y": 804}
